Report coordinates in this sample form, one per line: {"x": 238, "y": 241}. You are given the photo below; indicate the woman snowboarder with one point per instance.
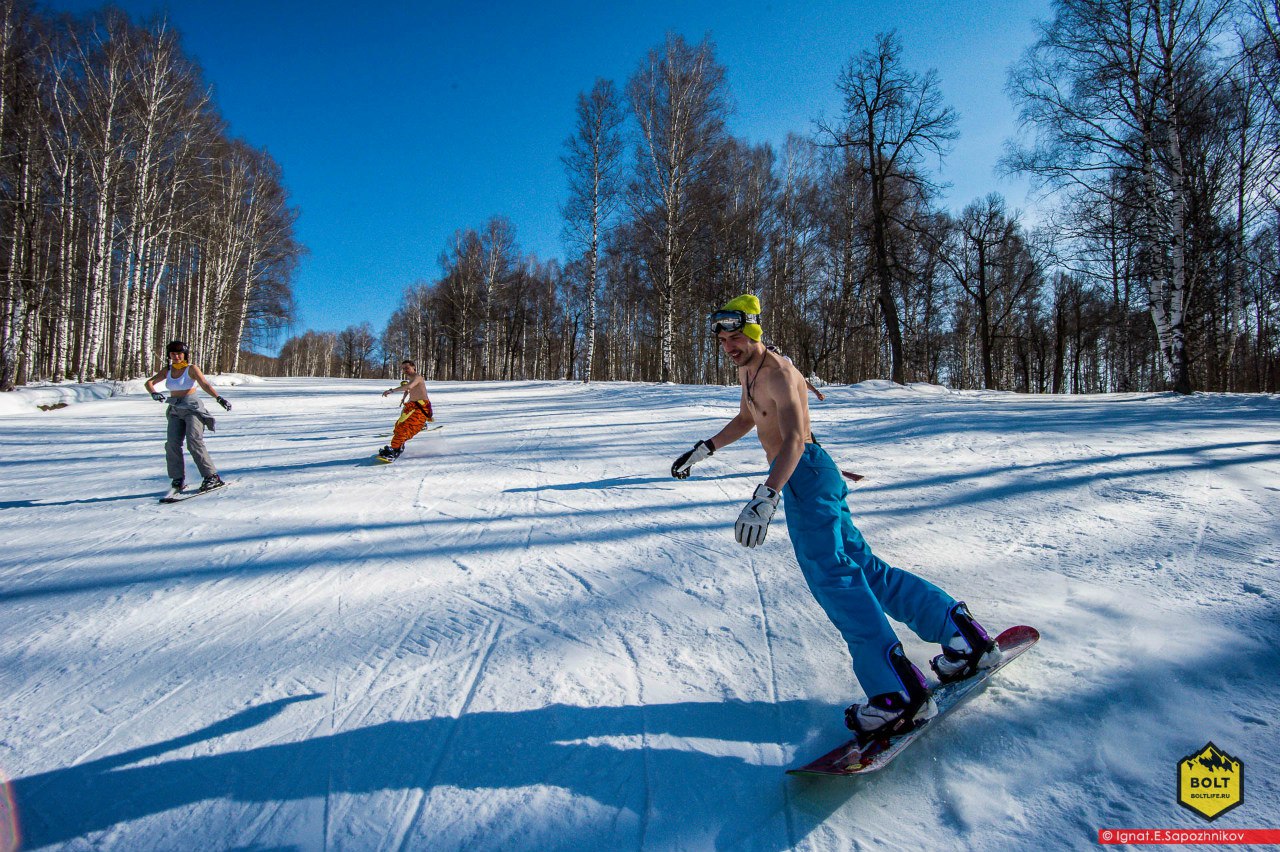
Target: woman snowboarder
{"x": 187, "y": 418}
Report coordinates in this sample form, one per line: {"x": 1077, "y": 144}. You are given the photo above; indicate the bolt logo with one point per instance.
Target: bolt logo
{"x": 1210, "y": 782}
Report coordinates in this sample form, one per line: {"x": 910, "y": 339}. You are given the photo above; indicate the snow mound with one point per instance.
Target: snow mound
{"x": 45, "y": 395}
{"x": 926, "y": 387}
{"x": 233, "y": 379}
{"x": 24, "y": 400}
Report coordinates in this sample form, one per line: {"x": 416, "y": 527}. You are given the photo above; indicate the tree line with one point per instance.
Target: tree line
{"x": 1151, "y": 126}
{"x": 128, "y": 214}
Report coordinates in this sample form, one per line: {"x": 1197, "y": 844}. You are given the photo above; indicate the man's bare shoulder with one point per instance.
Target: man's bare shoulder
{"x": 780, "y": 375}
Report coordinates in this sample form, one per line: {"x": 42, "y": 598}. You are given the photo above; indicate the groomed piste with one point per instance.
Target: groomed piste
{"x": 525, "y": 634}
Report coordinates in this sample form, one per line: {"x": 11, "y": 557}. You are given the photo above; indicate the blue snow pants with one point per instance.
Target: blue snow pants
{"x": 854, "y": 586}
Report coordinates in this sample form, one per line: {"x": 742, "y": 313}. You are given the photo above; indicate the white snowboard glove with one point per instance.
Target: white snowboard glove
{"x": 753, "y": 523}
{"x": 702, "y": 449}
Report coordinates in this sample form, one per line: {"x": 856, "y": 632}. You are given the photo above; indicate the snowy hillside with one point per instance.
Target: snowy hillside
{"x": 526, "y": 635}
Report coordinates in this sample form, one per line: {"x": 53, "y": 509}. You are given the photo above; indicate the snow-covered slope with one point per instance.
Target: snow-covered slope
{"x": 526, "y": 635}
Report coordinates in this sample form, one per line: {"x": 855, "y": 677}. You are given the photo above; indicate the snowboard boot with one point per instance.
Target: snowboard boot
{"x": 178, "y": 484}
{"x": 211, "y": 482}
{"x": 967, "y": 651}
{"x": 892, "y": 714}
{"x": 395, "y": 452}
{"x": 385, "y": 453}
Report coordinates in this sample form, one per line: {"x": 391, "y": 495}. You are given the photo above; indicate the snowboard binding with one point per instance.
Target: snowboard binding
{"x": 970, "y": 649}
{"x": 892, "y": 714}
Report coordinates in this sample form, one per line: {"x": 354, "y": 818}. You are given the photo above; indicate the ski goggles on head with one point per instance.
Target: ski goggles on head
{"x": 732, "y": 320}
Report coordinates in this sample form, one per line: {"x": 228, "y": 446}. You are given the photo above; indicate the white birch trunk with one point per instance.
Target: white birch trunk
{"x": 1174, "y": 299}
{"x": 99, "y": 273}
{"x": 9, "y": 296}
{"x": 15, "y": 299}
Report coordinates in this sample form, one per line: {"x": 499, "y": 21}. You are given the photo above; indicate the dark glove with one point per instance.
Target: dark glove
{"x": 702, "y": 449}
{"x": 223, "y": 403}
{"x": 157, "y": 396}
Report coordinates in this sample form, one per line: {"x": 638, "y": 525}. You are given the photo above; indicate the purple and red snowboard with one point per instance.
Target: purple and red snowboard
{"x": 848, "y": 759}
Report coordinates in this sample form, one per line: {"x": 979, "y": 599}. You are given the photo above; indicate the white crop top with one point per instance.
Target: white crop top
{"x": 184, "y": 382}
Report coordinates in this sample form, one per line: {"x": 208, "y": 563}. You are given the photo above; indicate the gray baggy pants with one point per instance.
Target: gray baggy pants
{"x": 187, "y": 421}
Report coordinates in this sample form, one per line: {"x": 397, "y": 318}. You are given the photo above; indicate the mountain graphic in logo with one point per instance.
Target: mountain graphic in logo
{"x": 1214, "y": 759}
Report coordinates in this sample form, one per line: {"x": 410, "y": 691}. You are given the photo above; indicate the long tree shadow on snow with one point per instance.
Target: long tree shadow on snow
{"x": 116, "y": 566}
{"x": 624, "y": 482}
{"x": 35, "y": 504}
{"x": 1049, "y": 477}
{"x": 889, "y": 421}
{"x": 639, "y": 761}
{"x": 666, "y": 789}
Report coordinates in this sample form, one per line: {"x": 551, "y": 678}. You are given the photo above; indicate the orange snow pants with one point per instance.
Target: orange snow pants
{"x": 415, "y": 415}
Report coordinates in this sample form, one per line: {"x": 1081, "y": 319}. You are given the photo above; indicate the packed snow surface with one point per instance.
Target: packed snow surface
{"x": 525, "y": 634}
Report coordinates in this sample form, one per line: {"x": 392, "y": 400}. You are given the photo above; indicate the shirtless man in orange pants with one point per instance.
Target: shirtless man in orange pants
{"x": 415, "y": 411}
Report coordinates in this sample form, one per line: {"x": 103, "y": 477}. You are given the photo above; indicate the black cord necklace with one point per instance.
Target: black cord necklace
{"x": 751, "y": 382}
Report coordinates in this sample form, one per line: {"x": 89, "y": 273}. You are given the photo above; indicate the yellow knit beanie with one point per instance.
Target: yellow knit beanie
{"x": 750, "y": 305}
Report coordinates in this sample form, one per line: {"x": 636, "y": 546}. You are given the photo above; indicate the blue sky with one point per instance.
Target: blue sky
{"x": 395, "y": 126}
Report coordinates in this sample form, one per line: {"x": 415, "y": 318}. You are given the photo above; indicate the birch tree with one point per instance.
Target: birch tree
{"x": 128, "y": 213}
{"x": 593, "y": 163}
{"x": 17, "y": 188}
{"x": 679, "y": 98}
{"x": 1108, "y": 88}
{"x": 497, "y": 246}
{"x": 165, "y": 104}
{"x": 102, "y": 56}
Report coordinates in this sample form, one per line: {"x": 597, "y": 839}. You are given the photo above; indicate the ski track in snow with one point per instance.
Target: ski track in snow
{"x": 524, "y": 634}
